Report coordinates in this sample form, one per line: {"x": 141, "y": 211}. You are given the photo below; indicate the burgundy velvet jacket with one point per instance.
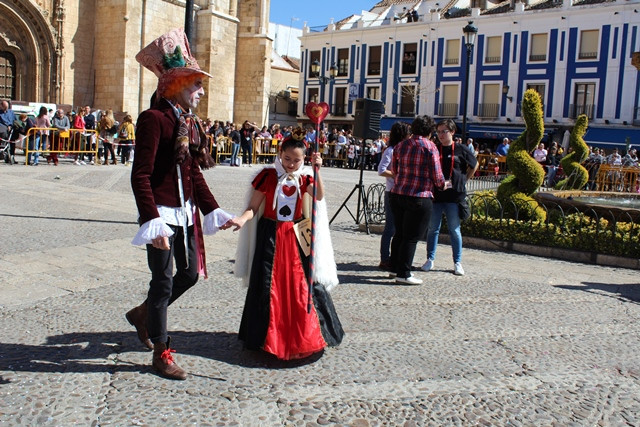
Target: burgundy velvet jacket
{"x": 154, "y": 178}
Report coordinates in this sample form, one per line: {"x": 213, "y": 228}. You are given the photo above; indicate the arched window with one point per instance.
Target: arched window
{"x": 7, "y": 75}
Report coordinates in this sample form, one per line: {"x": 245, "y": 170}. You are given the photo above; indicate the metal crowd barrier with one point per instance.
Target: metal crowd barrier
{"x": 264, "y": 150}
{"x": 75, "y": 141}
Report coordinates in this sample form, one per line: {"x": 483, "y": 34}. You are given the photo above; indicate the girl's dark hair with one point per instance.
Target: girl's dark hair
{"x": 398, "y": 133}
{"x": 293, "y": 143}
{"x": 43, "y": 111}
{"x": 422, "y": 126}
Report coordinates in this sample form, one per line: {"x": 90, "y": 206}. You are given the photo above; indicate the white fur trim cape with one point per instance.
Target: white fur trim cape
{"x": 325, "y": 271}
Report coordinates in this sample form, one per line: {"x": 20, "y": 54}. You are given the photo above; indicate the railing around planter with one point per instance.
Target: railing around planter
{"x": 375, "y": 203}
{"x": 375, "y": 195}
{"x": 608, "y": 231}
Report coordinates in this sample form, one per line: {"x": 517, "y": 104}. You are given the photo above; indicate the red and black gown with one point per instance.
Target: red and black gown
{"x": 275, "y": 317}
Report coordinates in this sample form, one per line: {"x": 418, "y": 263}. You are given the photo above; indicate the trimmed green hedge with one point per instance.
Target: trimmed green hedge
{"x": 574, "y": 231}
{"x": 527, "y": 174}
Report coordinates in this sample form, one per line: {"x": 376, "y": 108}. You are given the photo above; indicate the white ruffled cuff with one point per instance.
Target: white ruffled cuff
{"x": 214, "y": 220}
{"x": 151, "y": 230}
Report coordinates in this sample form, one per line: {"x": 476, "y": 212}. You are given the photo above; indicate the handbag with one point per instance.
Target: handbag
{"x": 463, "y": 210}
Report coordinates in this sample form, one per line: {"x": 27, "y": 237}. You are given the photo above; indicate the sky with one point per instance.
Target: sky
{"x": 315, "y": 12}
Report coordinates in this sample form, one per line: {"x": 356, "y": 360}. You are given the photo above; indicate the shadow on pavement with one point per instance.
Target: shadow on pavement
{"x": 97, "y": 352}
{"x": 626, "y": 293}
{"x": 374, "y": 275}
{"x": 57, "y": 218}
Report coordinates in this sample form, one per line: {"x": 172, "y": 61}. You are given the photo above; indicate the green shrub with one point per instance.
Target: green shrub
{"x": 515, "y": 190}
{"x": 577, "y": 175}
{"x": 574, "y": 231}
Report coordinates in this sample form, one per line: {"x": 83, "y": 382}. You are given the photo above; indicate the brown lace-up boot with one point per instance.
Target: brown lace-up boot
{"x": 164, "y": 364}
{"x": 137, "y": 317}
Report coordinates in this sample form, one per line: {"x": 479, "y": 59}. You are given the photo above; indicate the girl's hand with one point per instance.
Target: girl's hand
{"x": 317, "y": 160}
{"x": 236, "y": 222}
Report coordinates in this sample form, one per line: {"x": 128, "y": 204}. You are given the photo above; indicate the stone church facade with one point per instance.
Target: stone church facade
{"x": 82, "y": 52}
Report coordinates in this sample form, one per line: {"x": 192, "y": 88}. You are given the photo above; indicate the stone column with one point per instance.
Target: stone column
{"x": 253, "y": 63}
{"x": 215, "y": 49}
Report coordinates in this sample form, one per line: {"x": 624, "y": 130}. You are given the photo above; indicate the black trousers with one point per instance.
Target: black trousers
{"x": 165, "y": 287}
{"x": 246, "y": 153}
{"x": 411, "y": 217}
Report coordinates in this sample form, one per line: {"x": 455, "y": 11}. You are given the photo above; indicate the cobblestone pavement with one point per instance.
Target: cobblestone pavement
{"x": 519, "y": 340}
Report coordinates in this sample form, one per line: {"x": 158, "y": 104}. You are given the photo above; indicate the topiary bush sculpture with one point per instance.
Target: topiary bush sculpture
{"x": 577, "y": 175}
{"x": 527, "y": 175}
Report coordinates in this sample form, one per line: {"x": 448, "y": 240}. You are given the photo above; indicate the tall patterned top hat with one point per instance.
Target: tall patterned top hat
{"x": 169, "y": 58}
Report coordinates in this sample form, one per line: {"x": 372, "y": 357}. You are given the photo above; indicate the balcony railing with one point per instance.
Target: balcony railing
{"x": 406, "y": 111}
{"x": 448, "y": 109}
{"x": 374, "y": 69}
{"x": 451, "y": 61}
{"x": 492, "y": 60}
{"x": 409, "y": 67}
{"x": 488, "y": 110}
{"x": 576, "y": 110}
{"x": 534, "y": 58}
{"x": 587, "y": 55}
{"x": 343, "y": 68}
{"x": 339, "y": 110}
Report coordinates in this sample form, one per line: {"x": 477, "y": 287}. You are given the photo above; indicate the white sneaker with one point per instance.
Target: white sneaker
{"x": 458, "y": 270}
{"x": 92, "y": 162}
{"x": 427, "y": 266}
{"x": 82, "y": 162}
{"x": 408, "y": 280}
{"x": 77, "y": 162}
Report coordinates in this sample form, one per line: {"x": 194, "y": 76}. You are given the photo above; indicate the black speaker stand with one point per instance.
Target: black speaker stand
{"x": 362, "y": 197}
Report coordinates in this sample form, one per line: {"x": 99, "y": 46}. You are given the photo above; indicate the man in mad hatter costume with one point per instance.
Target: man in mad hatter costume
{"x": 169, "y": 189}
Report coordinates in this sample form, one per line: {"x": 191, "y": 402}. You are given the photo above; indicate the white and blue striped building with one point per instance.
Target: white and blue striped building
{"x": 579, "y": 55}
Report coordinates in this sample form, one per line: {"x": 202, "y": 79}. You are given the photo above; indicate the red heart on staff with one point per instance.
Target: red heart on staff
{"x": 288, "y": 190}
{"x": 317, "y": 112}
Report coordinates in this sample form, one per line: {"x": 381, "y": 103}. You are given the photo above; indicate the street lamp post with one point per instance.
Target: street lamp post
{"x": 188, "y": 21}
{"x": 470, "y": 31}
{"x": 315, "y": 69}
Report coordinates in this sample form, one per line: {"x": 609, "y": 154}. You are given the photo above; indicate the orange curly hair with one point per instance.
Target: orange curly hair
{"x": 170, "y": 88}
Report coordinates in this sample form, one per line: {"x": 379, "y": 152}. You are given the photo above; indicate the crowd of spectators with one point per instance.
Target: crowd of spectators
{"x": 247, "y": 143}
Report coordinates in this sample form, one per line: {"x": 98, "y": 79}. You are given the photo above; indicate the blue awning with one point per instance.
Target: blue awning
{"x": 387, "y": 122}
{"x": 612, "y": 137}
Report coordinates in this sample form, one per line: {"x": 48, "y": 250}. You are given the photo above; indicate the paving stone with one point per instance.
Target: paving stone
{"x": 519, "y": 340}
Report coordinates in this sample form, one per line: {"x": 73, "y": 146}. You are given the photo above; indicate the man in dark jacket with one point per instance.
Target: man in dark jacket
{"x": 167, "y": 182}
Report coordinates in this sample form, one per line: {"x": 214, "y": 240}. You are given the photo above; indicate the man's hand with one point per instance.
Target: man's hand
{"x": 161, "y": 243}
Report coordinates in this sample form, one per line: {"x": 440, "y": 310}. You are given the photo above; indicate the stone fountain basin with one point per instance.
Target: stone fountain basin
{"x": 599, "y": 208}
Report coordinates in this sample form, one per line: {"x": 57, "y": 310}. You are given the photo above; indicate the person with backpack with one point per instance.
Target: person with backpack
{"x": 107, "y": 128}
{"x": 126, "y": 137}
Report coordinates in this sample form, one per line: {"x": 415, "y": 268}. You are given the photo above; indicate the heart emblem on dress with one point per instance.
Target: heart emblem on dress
{"x": 288, "y": 190}
{"x": 285, "y": 211}
{"x": 317, "y": 112}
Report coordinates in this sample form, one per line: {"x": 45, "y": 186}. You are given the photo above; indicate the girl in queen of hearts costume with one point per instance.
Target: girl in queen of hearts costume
{"x": 277, "y": 316}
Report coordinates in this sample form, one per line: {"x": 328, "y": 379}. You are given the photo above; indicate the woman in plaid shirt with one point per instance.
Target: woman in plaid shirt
{"x": 416, "y": 167}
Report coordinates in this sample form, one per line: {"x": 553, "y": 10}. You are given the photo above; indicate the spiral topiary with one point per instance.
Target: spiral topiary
{"x": 527, "y": 174}
{"x": 577, "y": 175}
